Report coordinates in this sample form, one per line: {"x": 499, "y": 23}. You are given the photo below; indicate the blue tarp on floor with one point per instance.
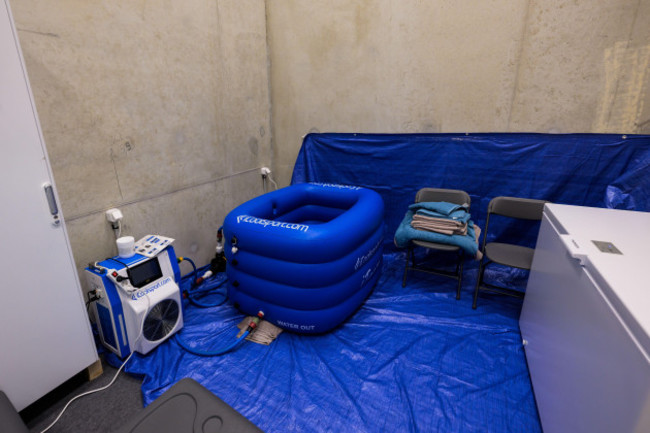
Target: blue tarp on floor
{"x": 411, "y": 359}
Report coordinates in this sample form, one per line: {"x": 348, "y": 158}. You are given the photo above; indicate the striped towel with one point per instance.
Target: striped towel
{"x": 439, "y": 225}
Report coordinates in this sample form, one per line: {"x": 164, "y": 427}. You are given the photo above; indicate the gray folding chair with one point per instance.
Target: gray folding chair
{"x": 512, "y": 255}
{"x": 435, "y": 194}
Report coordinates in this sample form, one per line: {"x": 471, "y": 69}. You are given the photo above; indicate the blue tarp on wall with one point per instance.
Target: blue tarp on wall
{"x": 411, "y": 359}
{"x": 599, "y": 170}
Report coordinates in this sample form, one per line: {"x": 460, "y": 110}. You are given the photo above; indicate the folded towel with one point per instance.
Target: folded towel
{"x": 441, "y": 209}
{"x": 468, "y": 243}
{"x": 439, "y": 225}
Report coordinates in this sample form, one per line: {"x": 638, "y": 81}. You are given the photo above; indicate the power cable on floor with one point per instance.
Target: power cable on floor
{"x": 88, "y": 393}
{"x": 146, "y": 296}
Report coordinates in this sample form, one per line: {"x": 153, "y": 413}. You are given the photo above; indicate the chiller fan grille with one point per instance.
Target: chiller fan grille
{"x": 160, "y": 320}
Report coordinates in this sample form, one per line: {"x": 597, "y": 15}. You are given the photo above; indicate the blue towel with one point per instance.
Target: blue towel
{"x": 405, "y": 234}
{"x": 441, "y": 207}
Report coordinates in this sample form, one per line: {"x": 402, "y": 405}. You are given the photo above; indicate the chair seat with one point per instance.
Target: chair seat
{"x": 435, "y": 246}
{"x": 510, "y": 255}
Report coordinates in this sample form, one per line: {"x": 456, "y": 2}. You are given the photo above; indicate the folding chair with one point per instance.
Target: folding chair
{"x": 435, "y": 194}
{"x": 512, "y": 255}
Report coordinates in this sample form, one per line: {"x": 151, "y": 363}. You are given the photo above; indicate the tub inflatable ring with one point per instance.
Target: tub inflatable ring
{"x": 306, "y": 255}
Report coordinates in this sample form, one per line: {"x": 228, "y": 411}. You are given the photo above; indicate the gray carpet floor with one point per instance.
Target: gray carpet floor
{"x": 100, "y": 412}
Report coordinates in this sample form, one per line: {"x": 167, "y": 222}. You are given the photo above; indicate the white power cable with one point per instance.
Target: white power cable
{"x": 114, "y": 377}
{"x": 117, "y": 229}
{"x": 88, "y": 393}
{"x": 272, "y": 181}
{"x": 266, "y": 173}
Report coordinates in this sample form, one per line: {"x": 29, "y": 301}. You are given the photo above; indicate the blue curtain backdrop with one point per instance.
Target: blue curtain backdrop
{"x": 599, "y": 170}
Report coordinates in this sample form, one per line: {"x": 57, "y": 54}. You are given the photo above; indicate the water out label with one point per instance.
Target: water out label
{"x": 295, "y": 326}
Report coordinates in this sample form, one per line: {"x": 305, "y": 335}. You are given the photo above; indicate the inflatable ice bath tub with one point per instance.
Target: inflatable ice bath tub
{"x": 306, "y": 255}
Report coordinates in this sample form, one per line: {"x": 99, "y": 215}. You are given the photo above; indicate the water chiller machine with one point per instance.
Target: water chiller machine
{"x": 139, "y": 303}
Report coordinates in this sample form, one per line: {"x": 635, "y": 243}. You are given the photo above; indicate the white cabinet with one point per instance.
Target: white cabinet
{"x": 586, "y": 320}
{"x": 45, "y": 337}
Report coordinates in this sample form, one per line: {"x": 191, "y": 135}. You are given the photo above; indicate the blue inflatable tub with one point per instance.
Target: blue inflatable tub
{"x": 306, "y": 255}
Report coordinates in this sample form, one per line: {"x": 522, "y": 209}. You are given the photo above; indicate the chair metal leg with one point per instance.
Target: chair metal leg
{"x": 459, "y": 271}
{"x": 409, "y": 253}
{"x": 482, "y": 285}
{"x": 479, "y": 281}
{"x": 457, "y": 274}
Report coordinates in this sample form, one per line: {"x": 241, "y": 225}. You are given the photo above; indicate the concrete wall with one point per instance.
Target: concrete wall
{"x": 456, "y": 66}
{"x": 159, "y": 108}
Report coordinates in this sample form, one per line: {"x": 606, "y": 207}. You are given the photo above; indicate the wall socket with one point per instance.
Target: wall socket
{"x": 114, "y": 215}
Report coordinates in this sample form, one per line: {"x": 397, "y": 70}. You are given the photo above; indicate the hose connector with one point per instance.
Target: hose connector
{"x": 233, "y": 242}
{"x": 255, "y": 321}
{"x": 203, "y": 277}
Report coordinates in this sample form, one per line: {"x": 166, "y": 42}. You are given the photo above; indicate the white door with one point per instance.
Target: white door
{"x": 45, "y": 336}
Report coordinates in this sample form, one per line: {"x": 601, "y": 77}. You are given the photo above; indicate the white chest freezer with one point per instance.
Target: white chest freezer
{"x": 585, "y": 320}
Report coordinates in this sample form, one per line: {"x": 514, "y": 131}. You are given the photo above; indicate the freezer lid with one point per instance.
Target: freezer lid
{"x": 612, "y": 245}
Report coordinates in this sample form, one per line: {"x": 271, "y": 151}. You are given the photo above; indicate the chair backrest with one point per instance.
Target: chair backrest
{"x": 515, "y": 207}
{"x": 455, "y": 196}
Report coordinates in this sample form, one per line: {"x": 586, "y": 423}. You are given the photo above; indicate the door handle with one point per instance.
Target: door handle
{"x": 51, "y": 201}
